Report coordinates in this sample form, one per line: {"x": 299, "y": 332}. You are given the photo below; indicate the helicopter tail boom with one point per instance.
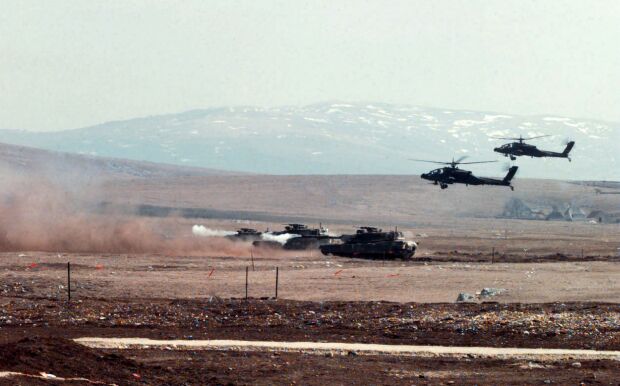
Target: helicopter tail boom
{"x": 511, "y": 173}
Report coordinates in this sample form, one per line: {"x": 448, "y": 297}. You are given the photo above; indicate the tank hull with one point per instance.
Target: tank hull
{"x": 244, "y": 238}
{"x": 303, "y": 243}
{"x": 295, "y": 243}
{"x": 267, "y": 244}
{"x": 382, "y": 250}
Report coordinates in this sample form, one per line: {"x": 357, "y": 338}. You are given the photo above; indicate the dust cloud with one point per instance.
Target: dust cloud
{"x": 41, "y": 214}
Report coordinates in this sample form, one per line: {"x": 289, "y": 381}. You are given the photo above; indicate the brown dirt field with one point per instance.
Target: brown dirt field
{"x": 313, "y": 277}
{"x": 288, "y": 368}
{"x": 57, "y": 356}
{"x": 552, "y": 325}
{"x": 34, "y": 341}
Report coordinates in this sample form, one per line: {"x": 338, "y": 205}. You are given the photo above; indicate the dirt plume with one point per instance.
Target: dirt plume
{"x": 38, "y": 214}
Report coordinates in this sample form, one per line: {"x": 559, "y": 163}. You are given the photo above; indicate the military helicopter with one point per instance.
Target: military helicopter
{"x": 448, "y": 175}
{"x": 516, "y": 149}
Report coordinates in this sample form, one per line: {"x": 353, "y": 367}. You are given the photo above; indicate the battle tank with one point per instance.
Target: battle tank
{"x": 372, "y": 243}
{"x": 300, "y": 237}
{"x": 246, "y": 234}
{"x": 302, "y": 230}
{"x": 309, "y": 238}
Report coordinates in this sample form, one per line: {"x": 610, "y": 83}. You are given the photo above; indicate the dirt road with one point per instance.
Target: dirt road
{"x": 338, "y": 347}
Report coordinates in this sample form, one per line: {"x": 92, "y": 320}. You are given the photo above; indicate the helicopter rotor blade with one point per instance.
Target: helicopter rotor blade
{"x": 433, "y": 162}
{"x": 478, "y": 162}
{"x": 506, "y": 138}
{"x": 538, "y": 136}
{"x": 521, "y": 138}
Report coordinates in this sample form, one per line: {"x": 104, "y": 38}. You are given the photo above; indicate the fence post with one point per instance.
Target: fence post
{"x": 277, "y": 276}
{"x": 252, "y": 257}
{"x": 69, "y": 281}
{"x": 246, "y": 282}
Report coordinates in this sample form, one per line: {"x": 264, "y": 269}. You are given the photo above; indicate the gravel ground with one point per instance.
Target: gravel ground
{"x": 47, "y": 359}
{"x": 307, "y": 277}
{"x": 555, "y": 325}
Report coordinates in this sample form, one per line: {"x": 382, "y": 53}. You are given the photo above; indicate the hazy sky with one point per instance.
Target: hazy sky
{"x": 68, "y": 64}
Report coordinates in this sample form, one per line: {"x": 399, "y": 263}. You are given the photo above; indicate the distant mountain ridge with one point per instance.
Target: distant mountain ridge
{"x": 340, "y": 138}
{"x": 22, "y": 159}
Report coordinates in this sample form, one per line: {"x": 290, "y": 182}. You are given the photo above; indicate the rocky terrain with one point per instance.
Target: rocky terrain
{"x": 48, "y": 361}
{"x": 47, "y": 356}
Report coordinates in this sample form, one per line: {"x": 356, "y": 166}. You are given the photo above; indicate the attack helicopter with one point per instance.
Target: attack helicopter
{"x": 451, "y": 174}
{"x": 520, "y": 148}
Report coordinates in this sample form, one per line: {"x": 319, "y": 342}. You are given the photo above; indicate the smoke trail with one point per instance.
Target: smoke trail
{"x": 201, "y": 230}
{"x": 282, "y": 239}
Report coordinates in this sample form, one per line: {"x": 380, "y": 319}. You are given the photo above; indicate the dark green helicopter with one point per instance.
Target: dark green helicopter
{"x": 520, "y": 148}
{"x": 449, "y": 175}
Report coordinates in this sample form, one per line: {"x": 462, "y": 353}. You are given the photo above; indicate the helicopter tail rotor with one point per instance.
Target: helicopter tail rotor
{"x": 506, "y": 166}
{"x": 566, "y": 141}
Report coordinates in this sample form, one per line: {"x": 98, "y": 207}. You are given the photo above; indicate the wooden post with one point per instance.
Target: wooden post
{"x": 277, "y": 277}
{"x": 252, "y": 257}
{"x": 69, "y": 281}
{"x": 246, "y": 282}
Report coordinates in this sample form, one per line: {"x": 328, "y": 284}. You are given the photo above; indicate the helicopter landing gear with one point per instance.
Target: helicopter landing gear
{"x": 512, "y": 188}
{"x": 443, "y": 186}
{"x": 569, "y": 160}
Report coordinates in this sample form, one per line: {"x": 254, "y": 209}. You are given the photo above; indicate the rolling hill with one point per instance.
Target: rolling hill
{"x": 147, "y": 188}
{"x": 27, "y": 160}
{"x": 339, "y": 138}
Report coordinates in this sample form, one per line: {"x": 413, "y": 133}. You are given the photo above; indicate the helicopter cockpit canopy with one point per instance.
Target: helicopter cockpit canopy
{"x": 436, "y": 172}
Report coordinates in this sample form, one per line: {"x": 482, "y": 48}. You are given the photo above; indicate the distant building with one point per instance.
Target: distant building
{"x": 556, "y": 211}
{"x": 604, "y": 217}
